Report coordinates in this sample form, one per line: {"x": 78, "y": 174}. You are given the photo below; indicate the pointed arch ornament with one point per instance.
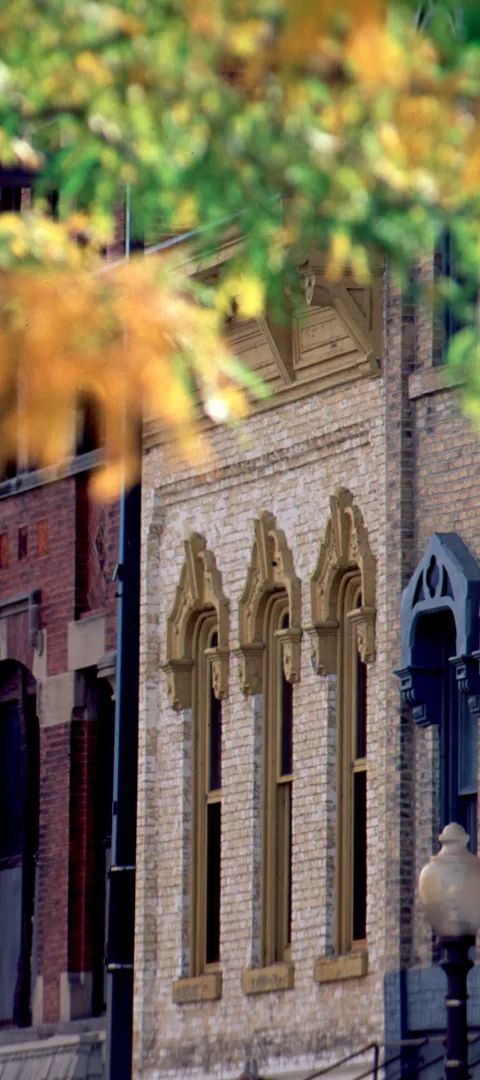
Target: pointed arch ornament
{"x": 346, "y": 547}
{"x": 447, "y": 578}
{"x": 271, "y": 569}
{"x": 199, "y": 589}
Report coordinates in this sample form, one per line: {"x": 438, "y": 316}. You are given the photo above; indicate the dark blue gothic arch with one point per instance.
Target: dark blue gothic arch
{"x": 446, "y": 579}
{"x": 440, "y": 676}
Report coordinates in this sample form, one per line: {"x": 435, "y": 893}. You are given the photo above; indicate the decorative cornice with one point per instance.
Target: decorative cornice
{"x": 356, "y": 305}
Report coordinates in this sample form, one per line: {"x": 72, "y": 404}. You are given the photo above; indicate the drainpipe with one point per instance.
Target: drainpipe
{"x": 121, "y": 901}
{"x": 121, "y": 888}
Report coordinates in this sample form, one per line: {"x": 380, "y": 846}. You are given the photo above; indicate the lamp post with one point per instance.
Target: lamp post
{"x": 449, "y": 890}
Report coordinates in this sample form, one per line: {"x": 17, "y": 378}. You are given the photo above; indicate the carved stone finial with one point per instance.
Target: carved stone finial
{"x": 251, "y": 667}
{"x": 290, "y": 640}
{"x": 363, "y": 619}
{"x": 219, "y": 659}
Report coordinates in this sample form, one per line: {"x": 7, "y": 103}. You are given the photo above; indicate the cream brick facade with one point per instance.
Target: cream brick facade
{"x": 287, "y": 460}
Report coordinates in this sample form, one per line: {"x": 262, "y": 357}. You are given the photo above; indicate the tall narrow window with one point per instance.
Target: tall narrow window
{"x": 352, "y": 768}
{"x": 270, "y": 657}
{"x": 207, "y": 778}
{"x": 197, "y": 673}
{"x": 343, "y": 638}
{"x": 277, "y": 795}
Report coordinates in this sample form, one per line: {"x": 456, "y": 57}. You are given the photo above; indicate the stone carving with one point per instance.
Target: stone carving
{"x": 271, "y": 569}
{"x": 345, "y": 547}
{"x": 199, "y": 589}
{"x": 291, "y": 653}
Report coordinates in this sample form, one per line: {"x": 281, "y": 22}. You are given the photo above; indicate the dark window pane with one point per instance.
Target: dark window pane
{"x": 213, "y": 883}
{"x": 286, "y": 761}
{"x": 10, "y": 198}
{"x": 467, "y": 749}
{"x": 286, "y": 716}
{"x": 215, "y": 771}
{"x": 214, "y": 733}
{"x": 361, "y": 710}
{"x": 283, "y": 873}
{"x": 359, "y": 856}
{"x": 289, "y": 876}
{"x": 12, "y": 781}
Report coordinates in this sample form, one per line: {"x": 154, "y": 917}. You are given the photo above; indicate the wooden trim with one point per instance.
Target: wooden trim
{"x": 276, "y": 794}
{"x": 206, "y": 627}
{"x": 349, "y": 599}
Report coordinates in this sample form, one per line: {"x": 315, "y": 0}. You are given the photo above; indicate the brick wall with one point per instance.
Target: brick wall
{"x": 289, "y": 461}
{"x": 54, "y": 539}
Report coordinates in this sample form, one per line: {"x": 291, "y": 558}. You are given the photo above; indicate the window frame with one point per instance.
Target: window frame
{"x": 348, "y": 764}
{"x": 206, "y": 628}
{"x": 277, "y": 794}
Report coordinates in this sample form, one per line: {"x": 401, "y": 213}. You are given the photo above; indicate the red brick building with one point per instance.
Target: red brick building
{"x": 58, "y": 551}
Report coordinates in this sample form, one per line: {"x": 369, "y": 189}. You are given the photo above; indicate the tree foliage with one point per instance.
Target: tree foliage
{"x": 350, "y": 128}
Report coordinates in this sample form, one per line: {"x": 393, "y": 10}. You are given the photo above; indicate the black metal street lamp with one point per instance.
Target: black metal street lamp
{"x": 449, "y": 891}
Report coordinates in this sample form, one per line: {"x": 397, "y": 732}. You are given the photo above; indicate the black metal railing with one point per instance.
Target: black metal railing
{"x": 383, "y": 1063}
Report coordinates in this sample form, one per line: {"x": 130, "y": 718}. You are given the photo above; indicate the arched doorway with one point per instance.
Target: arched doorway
{"x": 18, "y": 838}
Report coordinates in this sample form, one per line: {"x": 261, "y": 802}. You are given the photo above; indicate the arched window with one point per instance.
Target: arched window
{"x": 343, "y": 641}
{"x": 270, "y": 635}
{"x": 197, "y": 672}
{"x": 278, "y": 778}
{"x": 439, "y": 676}
{"x": 207, "y": 796}
{"x": 18, "y": 839}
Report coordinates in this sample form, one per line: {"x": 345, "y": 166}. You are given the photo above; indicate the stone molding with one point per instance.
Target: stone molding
{"x": 199, "y": 589}
{"x": 345, "y": 547}
{"x": 271, "y": 569}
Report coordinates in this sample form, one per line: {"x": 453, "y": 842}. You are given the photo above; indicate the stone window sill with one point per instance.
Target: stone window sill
{"x": 262, "y": 980}
{"x": 351, "y": 965}
{"x": 207, "y": 987}
{"x": 430, "y": 381}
